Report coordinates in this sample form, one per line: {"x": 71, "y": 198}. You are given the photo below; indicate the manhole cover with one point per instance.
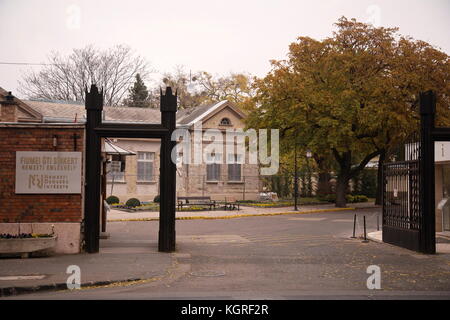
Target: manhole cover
{"x": 207, "y": 274}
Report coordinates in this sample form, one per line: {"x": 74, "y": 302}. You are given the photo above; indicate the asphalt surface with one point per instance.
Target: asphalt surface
{"x": 291, "y": 257}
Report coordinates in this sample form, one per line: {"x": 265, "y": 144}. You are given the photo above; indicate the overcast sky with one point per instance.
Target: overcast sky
{"x": 215, "y": 36}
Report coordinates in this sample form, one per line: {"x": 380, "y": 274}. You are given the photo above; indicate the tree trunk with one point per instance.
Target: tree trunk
{"x": 324, "y": 176}
{"x": 341, "y": 190}
{"x": 379, "y": 194}
{"x": 323, "y": 184}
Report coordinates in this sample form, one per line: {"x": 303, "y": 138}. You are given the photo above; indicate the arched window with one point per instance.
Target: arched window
{"x": 225, "y": 122}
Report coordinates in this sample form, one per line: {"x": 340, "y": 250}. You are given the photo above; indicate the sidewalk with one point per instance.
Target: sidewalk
{"x": 245, "y": 211}
{"x": 110, "y": 266}
{"x": 137, "y": 263}
{"x": 443, "y": 248}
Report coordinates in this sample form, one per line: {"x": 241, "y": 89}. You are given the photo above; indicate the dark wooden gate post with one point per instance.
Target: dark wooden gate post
{"x": 94, "y": 107}
{"x": 167, "y": 174}
{"x": 427, "y": 175}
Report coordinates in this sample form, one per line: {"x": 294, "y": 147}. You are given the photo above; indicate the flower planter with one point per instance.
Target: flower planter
{"x": 26, "y": 245}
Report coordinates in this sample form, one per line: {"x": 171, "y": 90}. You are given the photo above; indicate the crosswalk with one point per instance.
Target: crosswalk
{"x": 286, "y": 239}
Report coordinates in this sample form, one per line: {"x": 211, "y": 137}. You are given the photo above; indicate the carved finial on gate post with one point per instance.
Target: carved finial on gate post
{"x": 94, "y": 99}
{"x": 168, "y": 100}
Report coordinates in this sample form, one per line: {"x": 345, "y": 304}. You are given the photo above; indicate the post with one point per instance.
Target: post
{"x": 94, "y": 107}
{"x": 295, "y": 179}
{"x": 203, "y": 185}
{"x": 354, "y": 228}
{"x": 426, "y": 166}
{"x": 365, "y": 230}
{"x": 103, "y": 195}
{"x": 243, "y": 192}
{"x": 168, "y": 174}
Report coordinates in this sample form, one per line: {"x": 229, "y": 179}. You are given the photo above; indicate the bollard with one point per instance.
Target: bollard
{"x": 365, "y": 232}
{"x": 378, "y": 222}
{"x": 354, "y": 227}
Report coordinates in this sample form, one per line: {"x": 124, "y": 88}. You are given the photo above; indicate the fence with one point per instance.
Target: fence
{"x": 245, "y": 187}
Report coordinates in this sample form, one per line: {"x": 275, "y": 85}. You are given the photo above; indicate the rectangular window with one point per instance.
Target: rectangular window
{"x": 145, "y": 162}
{"x": 213, "y": 167}
{"x": 234, "y": 167}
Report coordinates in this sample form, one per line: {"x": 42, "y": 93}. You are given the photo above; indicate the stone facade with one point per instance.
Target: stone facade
{"x": 191, "y": 178}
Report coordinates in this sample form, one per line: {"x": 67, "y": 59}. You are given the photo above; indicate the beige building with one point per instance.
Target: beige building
{"x": 442, "y": 182}
{"x": 137, "y": 175}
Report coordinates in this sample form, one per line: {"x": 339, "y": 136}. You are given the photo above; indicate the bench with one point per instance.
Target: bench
{"x": 231, "y": 204}
{"x": 195, "y": 201}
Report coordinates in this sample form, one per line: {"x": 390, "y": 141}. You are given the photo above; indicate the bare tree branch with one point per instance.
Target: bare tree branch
{"x": 65, "y": 77}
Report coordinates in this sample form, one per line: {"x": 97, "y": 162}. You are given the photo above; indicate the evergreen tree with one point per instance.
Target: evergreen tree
{"x": 138, "y": 94}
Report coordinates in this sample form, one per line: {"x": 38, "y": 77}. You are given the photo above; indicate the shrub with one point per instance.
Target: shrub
{"x": 365, "y": 183}
{"x": 360, "y": 198}
{"x": 157, "y": 199}
{"x": 133, "y": 202}
{"x": 327, "y": 198}
{"x": 350, "y": 198}
{"x": 112, "y": 200}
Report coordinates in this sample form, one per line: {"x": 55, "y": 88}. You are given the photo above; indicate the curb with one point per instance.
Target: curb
{"x": 374, "y": 239}
{"x": 13, "y": 291}
{"x": 239, "y": 215}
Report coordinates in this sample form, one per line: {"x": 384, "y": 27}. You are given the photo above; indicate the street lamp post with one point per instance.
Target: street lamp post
{"x": 308, "y": 155}
{"x": 295, "y": 179}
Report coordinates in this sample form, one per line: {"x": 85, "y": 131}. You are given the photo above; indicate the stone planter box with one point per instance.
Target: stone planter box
{"x": 26, "y": 245}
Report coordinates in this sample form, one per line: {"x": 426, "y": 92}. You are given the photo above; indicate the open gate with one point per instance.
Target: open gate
{"x": 409, "y": 185}
{"x": 401, "y": 197}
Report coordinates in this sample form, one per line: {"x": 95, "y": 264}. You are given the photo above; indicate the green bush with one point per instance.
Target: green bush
{"x": 328, "y": 198}
{"x": 360, "y": 198}
{"x": 350, "y": 198}
{"x": 133, "y": 202}
{"x": 365, "y": 183}
{"x": 112, "y": 200}
{"x": 157, "y": 199}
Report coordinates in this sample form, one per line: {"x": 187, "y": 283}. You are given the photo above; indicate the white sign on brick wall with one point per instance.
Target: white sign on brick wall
{"x": 48, "y": 172}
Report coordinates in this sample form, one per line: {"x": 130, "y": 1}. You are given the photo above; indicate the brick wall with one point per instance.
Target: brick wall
{"x": 8, "y": 112}
{"x": 36, "y": 207}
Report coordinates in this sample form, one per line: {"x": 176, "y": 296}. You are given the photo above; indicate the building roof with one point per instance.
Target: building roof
{"x": 110, "y": 148}
{"x": 73, "y": 112}
{"x": 186, "y": 116}
{"x": 25, "y": 112}
{"x": 58, "y": 111}
{"x": 191, "y": 116}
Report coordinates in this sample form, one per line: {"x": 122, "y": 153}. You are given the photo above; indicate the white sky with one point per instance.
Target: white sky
{"x": 215, "y": 36}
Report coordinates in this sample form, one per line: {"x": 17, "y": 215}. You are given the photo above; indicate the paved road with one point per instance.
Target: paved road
{"x": 279, "y": 257}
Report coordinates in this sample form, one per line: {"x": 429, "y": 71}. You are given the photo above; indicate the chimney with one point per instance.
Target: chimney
{"x": 8, "y": 111}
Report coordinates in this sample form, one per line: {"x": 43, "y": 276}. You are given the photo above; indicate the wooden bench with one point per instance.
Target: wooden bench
{"x": 231, "y": 204}
{"x": 196, "y": 201}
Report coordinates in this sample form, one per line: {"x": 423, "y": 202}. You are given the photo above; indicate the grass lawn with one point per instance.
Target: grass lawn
{"x": 282, "y": 203}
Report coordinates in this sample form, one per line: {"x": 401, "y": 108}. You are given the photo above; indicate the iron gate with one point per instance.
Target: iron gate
{"x": 401, "y": 197}
{"x": 409, "y": 185}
